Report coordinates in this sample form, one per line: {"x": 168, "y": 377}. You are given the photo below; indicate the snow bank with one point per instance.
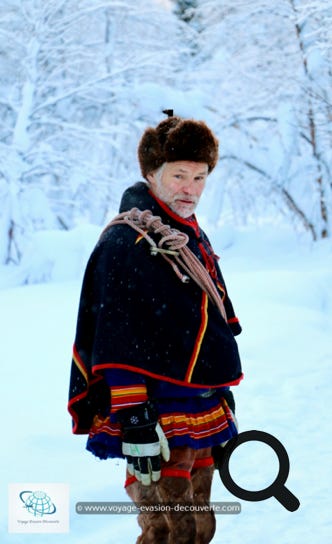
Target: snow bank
{"x": 52, "y": 256}
{"x": 282, "y": 292}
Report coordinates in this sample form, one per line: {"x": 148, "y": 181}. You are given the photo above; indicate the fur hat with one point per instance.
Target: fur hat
{"x": 176, "y": 139}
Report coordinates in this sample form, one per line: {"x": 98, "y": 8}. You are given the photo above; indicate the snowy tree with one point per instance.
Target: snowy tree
{"x": 186, "y": 10}
{"x": 80, "y": 80}
{"x": 316, "y": 83}
{"x": 47, "y": 60}
{"x": 70, "y": 119}
{"x": 272, "y": 111}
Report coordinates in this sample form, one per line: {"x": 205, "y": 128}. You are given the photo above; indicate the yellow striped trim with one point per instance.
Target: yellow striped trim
{"x": 222, "y": 289}
{"x": 194, "y": 420}
{"x": 128, "y": 390}
{"x": 80, "y": 366}
{"x": 199, "y": 339}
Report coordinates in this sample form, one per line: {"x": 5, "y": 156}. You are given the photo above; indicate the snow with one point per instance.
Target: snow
{"x": 282, "y": 291}
{"x": 153, "y": 97}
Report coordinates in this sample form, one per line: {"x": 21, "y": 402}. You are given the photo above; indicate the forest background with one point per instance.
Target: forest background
{"x": 81, "y": 80}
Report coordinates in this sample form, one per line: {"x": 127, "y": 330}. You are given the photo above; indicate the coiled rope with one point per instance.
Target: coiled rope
{"x": 172, "y": 246}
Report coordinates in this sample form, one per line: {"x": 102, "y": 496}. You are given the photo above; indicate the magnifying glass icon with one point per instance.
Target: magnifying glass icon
{"x": 277, "y": 489}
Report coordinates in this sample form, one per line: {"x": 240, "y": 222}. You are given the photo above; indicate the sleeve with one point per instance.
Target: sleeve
{"x": 232, "y": 319}
{"x": 127, "y": 389}
{"x": 97, "y": 334}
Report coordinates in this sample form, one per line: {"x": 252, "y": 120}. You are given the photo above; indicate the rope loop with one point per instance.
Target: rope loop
{"x": 173, "y": 248}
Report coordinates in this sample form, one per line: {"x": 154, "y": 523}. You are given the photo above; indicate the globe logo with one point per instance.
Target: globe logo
{"x": 37, "y": 503}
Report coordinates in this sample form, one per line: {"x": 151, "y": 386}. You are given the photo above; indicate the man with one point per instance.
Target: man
{"x": 155, "y": 353}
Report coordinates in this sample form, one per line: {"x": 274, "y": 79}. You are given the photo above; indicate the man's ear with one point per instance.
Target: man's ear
{"x": 151, "y": 178}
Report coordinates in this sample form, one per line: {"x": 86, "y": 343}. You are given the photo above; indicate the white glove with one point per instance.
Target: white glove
{"x": 144, "y": 460}
{"x": 144, "y": 442}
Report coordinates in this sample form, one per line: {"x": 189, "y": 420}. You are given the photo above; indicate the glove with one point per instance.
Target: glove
{"x": 144, "y": 442}
{"x": 218, "y": 452}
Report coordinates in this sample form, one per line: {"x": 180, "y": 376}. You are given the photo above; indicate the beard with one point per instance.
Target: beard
{"x": 181, "y": 204}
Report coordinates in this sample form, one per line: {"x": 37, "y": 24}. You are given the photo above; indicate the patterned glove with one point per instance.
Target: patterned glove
{"x": 144, "y": 442}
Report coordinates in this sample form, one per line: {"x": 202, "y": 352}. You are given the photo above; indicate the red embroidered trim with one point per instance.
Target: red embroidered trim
{"x": 101, "y": 366}
{"x": 199, "y": 338}
{"x": 204, "y": 462}
{"x": 175, "y": 473}
{"x": 233, "y": 320}
{"x": 130, "y": 480}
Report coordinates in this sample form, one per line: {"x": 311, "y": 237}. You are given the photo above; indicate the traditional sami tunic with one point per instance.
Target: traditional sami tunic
{"x": 142, "y": 333}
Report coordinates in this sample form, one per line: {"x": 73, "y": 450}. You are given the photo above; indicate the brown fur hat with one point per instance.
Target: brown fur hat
{"x": 176, "y": 139}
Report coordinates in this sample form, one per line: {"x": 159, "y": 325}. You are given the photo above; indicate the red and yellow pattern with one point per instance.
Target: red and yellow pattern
{"x": 200, "y": 336}
{"x": 79, "y": 363}
{"x": 193, "y": 422}
{"x": 126, "y": 396}
{"x": 104, "y": 425}
{"x": 197, "y": 426}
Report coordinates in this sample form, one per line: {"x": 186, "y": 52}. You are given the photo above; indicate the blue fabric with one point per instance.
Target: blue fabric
{"x": 118, "y": 376}
{"x": 196, "y": 406}
{"x": 107, "y": 445}
{"x": 156, "y": 388}
{"x": 104, "y": 445}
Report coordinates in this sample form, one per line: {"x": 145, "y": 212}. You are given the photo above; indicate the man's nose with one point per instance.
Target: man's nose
{"x": 189, "y": 187}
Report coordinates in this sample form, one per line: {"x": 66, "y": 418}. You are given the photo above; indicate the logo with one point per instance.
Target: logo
{"x": 38, "y": 508}
{"x": 38, "y": 503}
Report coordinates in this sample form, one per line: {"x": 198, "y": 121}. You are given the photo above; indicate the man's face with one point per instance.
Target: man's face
{"x": 179, "y": 184}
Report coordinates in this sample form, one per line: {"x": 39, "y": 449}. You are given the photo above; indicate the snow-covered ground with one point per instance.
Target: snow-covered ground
{"x": 281, "y": 287}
